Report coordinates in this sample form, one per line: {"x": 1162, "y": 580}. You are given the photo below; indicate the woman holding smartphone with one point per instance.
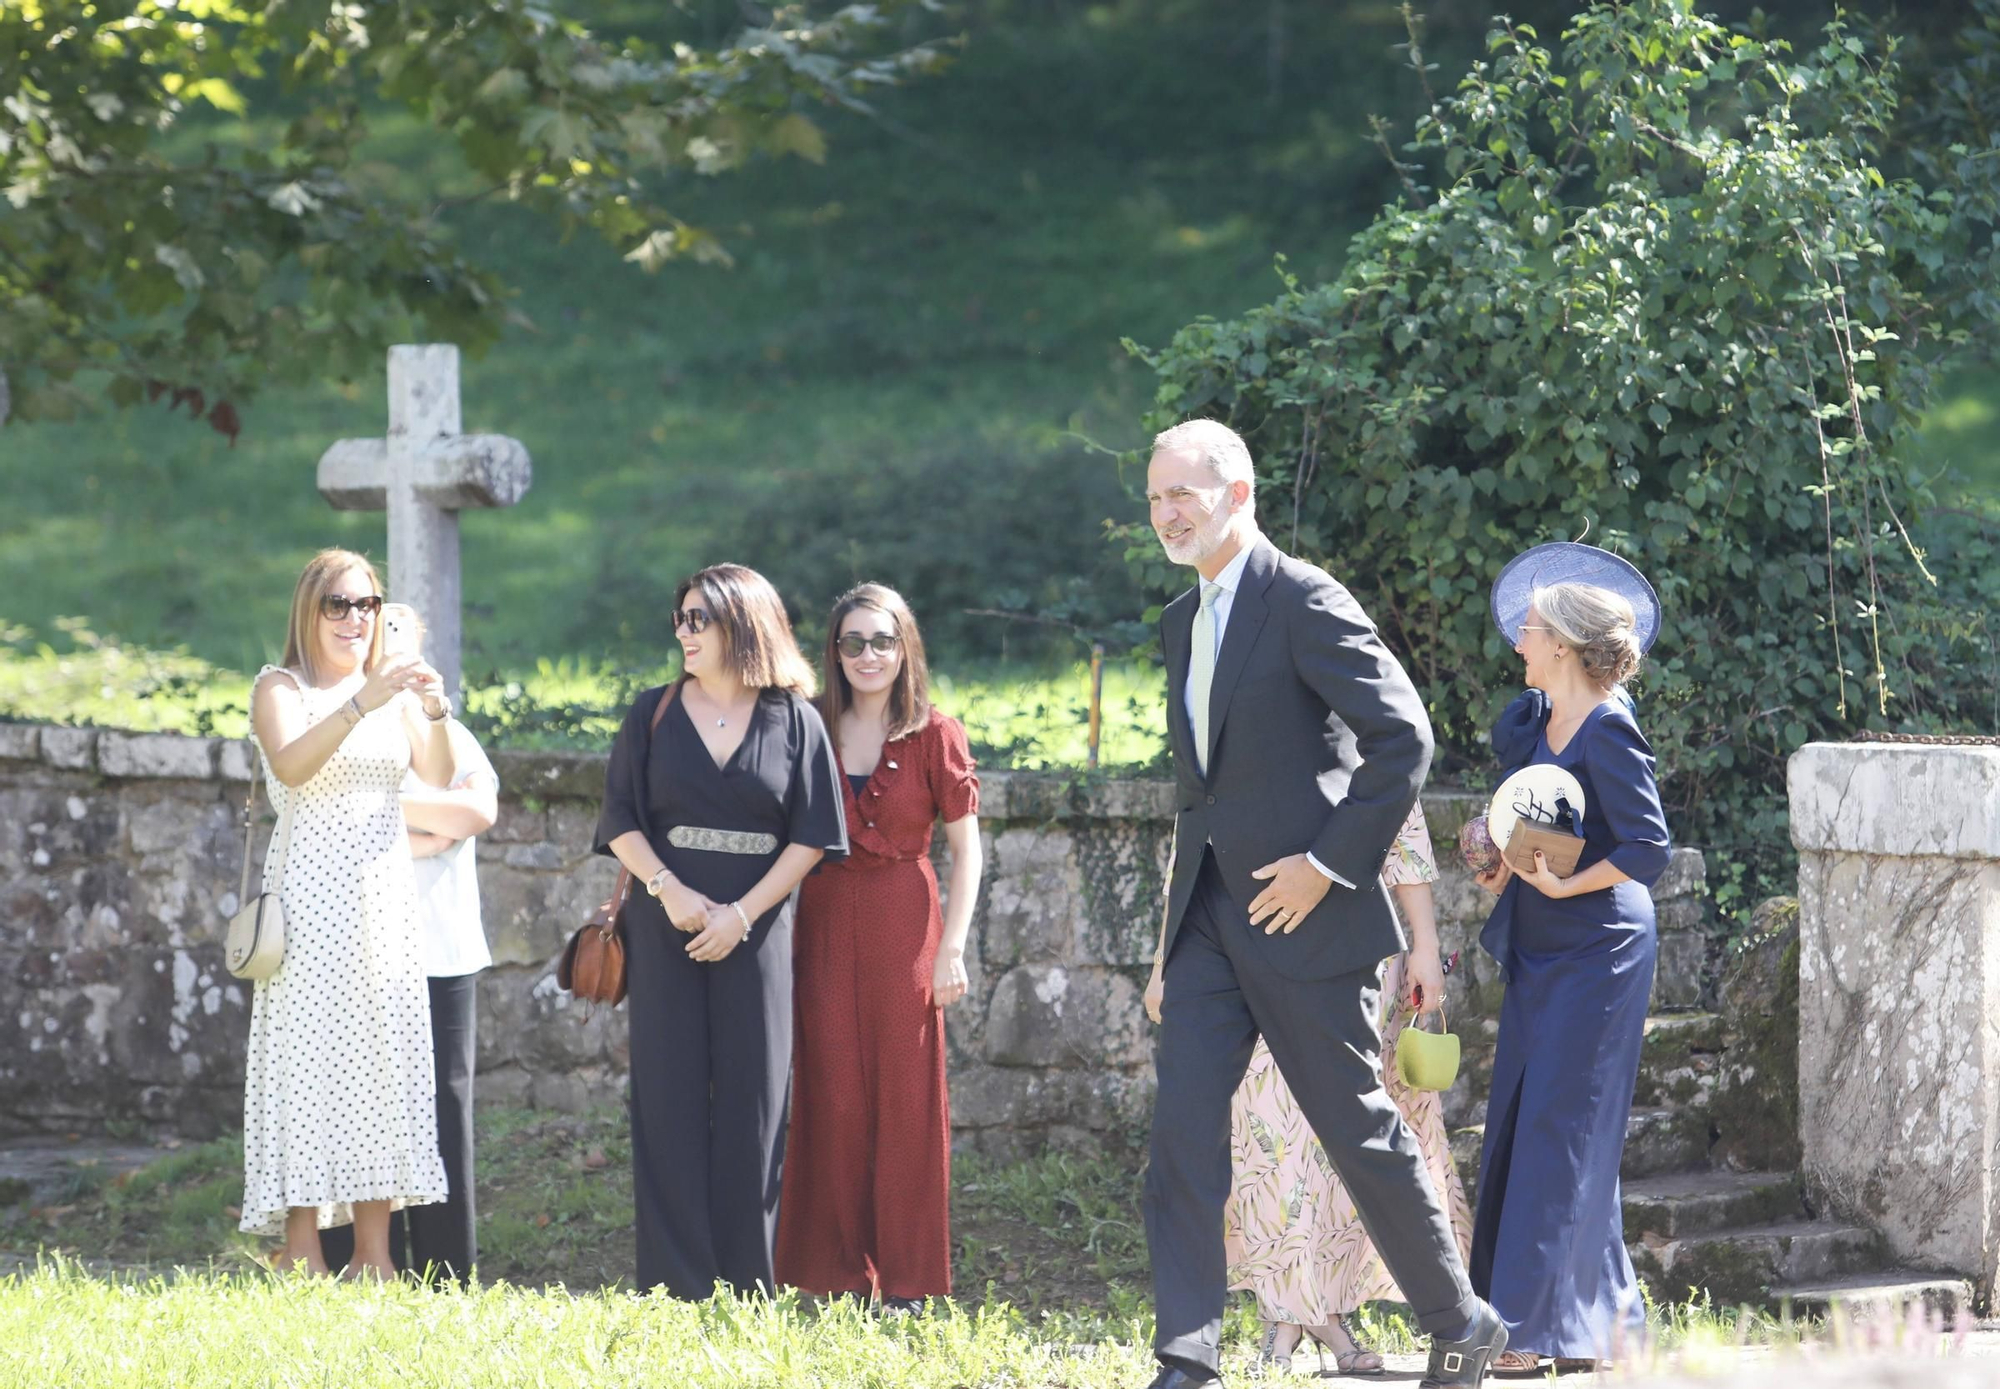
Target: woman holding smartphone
{"x": 339, "y": 1115}
{"x": 440, "y": 1240}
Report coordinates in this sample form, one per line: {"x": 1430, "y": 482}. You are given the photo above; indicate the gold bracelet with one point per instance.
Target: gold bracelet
{"x": 742, "y": 917}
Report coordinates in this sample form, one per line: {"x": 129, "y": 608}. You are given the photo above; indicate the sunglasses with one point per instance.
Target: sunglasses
{"x": 853, "y": 644}
{"x": 694, "y": 619}
{"x": 336, "y": 606}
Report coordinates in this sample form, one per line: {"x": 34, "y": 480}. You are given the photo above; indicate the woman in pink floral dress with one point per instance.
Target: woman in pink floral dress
{"x": 1293, "y": 1235}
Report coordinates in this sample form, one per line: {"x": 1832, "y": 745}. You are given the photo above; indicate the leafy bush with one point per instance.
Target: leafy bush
{"x": 1663, "y": 295}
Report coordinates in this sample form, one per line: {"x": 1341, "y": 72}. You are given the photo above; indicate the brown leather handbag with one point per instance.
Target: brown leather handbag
{"x": 592, "y": 967}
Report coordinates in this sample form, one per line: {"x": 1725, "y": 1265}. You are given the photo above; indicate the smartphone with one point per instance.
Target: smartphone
{"x": 402, "y": 630}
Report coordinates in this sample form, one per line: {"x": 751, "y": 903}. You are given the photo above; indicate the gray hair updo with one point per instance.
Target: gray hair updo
{"x": 1598, "y": 625}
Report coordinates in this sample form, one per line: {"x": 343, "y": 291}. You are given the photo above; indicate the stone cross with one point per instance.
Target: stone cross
{"x": 423, "y": 474}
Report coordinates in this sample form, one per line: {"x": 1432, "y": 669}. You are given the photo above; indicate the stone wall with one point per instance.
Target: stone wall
{"x": 1899, "y": 994}
{"x": 119, "y": 856}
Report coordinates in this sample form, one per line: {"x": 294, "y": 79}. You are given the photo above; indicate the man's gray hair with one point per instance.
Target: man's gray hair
{"x": 1215, "y": 444}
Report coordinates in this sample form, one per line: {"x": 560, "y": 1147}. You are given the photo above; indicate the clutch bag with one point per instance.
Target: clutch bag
{"x": 1560, "y": 849}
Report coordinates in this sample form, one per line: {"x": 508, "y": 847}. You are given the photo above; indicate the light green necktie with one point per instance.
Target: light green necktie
{"x": 1201, "y": 670}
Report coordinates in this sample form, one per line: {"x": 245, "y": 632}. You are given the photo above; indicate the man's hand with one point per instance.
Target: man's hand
{"x": 1296, "y": 887}
{"x": 1156, "y": 992}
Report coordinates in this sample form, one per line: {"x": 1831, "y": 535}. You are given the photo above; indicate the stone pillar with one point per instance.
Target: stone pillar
{"x": 1899, "y": 993}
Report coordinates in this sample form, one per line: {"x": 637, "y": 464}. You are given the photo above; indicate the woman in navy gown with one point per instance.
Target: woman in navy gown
{"x": 1548, "y": 1246}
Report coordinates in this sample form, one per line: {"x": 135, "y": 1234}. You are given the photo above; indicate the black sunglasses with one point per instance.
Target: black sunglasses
{"x": 853, "y": 644}
{"x": 336, "y": 606}
{"x": 694, "y": 619}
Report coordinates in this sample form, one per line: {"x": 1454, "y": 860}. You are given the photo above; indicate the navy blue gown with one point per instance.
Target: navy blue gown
{"x": 1548, "y": 1243}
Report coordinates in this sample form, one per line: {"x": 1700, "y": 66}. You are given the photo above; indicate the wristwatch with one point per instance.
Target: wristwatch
{"x": 441, "y": 717}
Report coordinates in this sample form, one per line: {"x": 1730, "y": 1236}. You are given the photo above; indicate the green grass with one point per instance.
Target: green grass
{"x": 1017, "y": 717}
{"x": 1050, "y": 1267}
{"x": 940, "y": 306}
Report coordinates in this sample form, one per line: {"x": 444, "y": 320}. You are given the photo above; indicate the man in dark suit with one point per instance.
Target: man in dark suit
{"x": 1299, "y": 746}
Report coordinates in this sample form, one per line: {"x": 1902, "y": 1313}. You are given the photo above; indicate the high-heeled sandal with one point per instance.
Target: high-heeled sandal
{"x": 1281, "y": 1339}
{"x": 1516, "y": 1362}
{"x": 1348, "y": 1356}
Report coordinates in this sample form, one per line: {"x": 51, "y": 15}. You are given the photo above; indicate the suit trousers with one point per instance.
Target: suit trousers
{"x": 439, "y": 1237}
{"x": 1323, "y": 1034}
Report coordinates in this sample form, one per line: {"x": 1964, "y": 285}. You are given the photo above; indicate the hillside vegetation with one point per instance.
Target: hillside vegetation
{"x": 911, "y": 372}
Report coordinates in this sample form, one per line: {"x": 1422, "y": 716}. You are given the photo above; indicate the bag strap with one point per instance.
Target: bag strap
{"x": 249, "y": 825}
{"x": 1416, "y": 1015}
{"x": 284, "y": 843}
{"x": 622, "y": 894}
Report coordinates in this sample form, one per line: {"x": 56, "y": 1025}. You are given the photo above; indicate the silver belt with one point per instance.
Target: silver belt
{"x": 722, "y": 841}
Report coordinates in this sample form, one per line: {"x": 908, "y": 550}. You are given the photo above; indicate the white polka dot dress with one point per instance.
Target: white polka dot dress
{"x": 339, "y": 1098}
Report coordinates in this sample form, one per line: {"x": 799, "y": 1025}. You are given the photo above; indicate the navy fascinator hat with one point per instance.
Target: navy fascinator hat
{"x": 1568, "y": 562}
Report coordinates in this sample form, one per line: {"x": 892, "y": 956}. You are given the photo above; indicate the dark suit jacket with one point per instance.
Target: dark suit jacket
{"x": 1318, "y": 743}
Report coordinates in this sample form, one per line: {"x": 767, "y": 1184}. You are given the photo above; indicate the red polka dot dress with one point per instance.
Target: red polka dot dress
{"x": 339, "y": 1101}
{"x": 866, "y": 1200}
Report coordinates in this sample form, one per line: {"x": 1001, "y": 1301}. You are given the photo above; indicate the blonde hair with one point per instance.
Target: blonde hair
{"x": 315, "y": 582}
{"x": 1596, "y": 623}
{"x": 910, "y": 695}
{"x": 744, "y": 606}
{"x": 1215, "y": 444}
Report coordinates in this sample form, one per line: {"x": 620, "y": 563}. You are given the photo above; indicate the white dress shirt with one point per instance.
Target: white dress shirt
{"x": 1229, "y": 580}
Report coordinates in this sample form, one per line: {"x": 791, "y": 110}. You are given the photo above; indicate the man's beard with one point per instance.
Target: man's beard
{"x": 1203, "y": 541}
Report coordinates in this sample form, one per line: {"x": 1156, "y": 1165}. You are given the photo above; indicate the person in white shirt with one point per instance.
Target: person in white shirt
{"x": 440, "y": 1238}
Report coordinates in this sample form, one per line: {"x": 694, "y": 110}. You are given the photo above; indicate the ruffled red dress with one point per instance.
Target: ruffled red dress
{"x": 867, "y": 1178}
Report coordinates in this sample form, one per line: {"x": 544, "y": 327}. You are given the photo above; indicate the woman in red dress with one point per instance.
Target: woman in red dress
{"x": 866, "y": 1201}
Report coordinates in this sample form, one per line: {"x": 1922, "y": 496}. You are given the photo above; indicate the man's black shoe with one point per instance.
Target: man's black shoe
{"x": 1174, "y": 1377}
{"x": 1463, "y": 1364}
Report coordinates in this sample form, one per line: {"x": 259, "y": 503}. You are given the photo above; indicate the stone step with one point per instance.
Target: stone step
{"x": 1742, "y": 1264}
{"x": 1663, "y": 1139}
{"x": 1656, "y": 1141}
{"x": 1680, "y": 1060}
{"x": 1894, "y": 1289}
{"x": 1675, "y": 1205}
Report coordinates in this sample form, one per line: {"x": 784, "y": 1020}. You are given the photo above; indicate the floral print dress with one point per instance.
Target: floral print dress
{"x": 1293, "y": 1235}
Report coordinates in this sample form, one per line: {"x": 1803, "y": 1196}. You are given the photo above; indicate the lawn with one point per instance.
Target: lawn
{"x": 1049, "y": 1260}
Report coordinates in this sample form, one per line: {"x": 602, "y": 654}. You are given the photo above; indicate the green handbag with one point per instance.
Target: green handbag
{"x": 1426, "y": 1060}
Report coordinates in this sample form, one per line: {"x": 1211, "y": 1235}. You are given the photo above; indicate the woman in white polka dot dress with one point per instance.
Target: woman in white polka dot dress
{"x": 339, "y": 1108}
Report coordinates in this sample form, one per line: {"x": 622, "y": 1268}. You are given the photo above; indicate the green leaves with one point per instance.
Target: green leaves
{"x": 1708, "y": 293}
{"x": 130, "y": 255}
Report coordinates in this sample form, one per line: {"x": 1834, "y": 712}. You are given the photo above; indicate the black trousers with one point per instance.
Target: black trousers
{"x": 711, "y": 1082}
{"x": 439, "y": 1237}
{"x": 1323, "y": 1033}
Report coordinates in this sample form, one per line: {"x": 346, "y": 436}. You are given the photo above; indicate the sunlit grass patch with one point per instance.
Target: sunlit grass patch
{"x": 1028, "y": 717}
